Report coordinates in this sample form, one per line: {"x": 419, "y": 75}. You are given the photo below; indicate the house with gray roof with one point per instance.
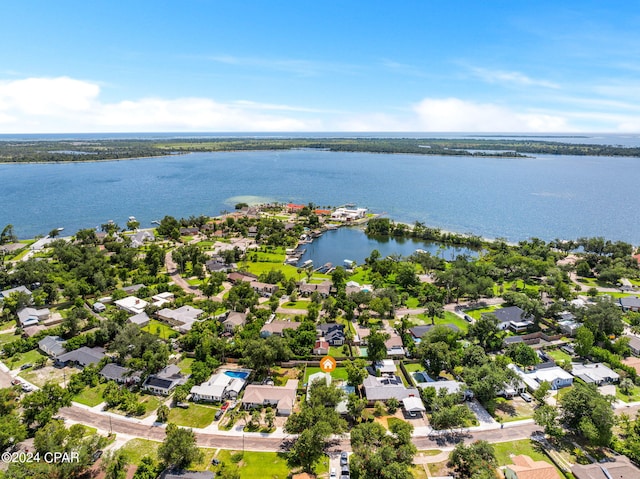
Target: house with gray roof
{"x": 630, "y": 303}
{"x": 165, "y": 381}
{"x": 185, "y": 474}
{"x": 418, "y": 331}
{"x": 82, "y": 356}
{"x": 234, "y": 320}
{"x": 52, "y": 346}
{"x": 512, "y": 317}
{"x": 19, "y": 289}
{"x": 139, "y": 238}
{"x": 141, "y": 319}
{"x": 333, "y": 333}
{"x": 597, "y": 373}
{"x": 119, "y": 374}
{"x": 32, "y": 316}
{"x": 634, "y": 344}
{"x": 183, "y": 317}
{"x": 387, "y": 387}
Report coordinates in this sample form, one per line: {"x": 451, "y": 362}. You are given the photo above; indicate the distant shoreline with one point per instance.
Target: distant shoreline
{"x": 70, "y": 151}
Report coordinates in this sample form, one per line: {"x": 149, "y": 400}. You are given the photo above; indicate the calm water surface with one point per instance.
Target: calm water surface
{"x": 548, "y": 196}
{"x": 351, "y": 243}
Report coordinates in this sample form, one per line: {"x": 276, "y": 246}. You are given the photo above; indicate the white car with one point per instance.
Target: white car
{"x": 333, "y": 473}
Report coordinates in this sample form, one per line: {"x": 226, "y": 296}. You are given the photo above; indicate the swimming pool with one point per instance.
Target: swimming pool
{"x": 237, "y": 374}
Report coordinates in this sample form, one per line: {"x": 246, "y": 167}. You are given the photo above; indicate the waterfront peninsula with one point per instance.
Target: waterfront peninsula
{"x": 26, "y": 151}
{"x": 201, "y": 344}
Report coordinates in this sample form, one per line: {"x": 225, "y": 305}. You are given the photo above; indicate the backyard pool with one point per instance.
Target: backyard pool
{"x": 237, "y": 374}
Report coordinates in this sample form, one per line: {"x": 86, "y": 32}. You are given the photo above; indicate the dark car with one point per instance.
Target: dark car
{"x": 96, "y": 455}
{"x": 345, "y": 470}
{"x": 344, "y": 458}
{"x": 219, "y": 414}
{"x": 215, "y": 461}
{"x": 26, "y": 366}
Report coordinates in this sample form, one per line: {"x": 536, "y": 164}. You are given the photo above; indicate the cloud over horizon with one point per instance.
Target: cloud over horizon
{"x": 69, "y": 105}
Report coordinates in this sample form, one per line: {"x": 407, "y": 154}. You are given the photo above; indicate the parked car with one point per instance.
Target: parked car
{"x": 219, "y": 414}
{"x": 183, "y": 405}
{"x": 26, "y": 366}
{"x": 344, "y": 458}
{"x": 527, "y": 397}
{"x": 215, "y": 461}
{"x": 27, "y": 388}
{"x": 96, "y": 455}
{"x": 333, "y": 473}
{"x": 16, "y": 382}
{"x": 225, "y": 406}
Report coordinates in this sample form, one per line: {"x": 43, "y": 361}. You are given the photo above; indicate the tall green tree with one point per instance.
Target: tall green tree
{"x": 475, "y": 461}
{"x": 179, "y": 448}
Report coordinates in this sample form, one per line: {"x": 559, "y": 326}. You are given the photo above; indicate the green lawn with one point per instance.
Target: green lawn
{"x": 261, "y": 268}
{"x": 524, "y": 446}
{"x": 449, "y": 318}
{"x": 194, "y": 282}
{"x": 90, "y": 396}
{"x": 185, "y": 365}
{"x": 558, "y": 355}
{"x": 159, "y": 329}
{"x": 413, "y": 368}
{"x": 136, "y": 449}
{"x": 336, "y": 352}
{"x": 476, "y": 313}
{"x": 338, "y": 373}
{"x": 7, "y": 338}
{"x": 633, "y": 397}
{"x": 197, "y": 415}
{"x": 24, "y": 358}
{"x": 258, "y": 465}
{"x": 296, "y": 305}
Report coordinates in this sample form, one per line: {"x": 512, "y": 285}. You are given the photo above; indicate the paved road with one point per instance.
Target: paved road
{"x": 254, "y": 442}
{"x": 172, "y": 270}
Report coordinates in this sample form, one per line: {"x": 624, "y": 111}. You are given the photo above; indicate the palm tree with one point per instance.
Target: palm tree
{"x": 434, "y": 309}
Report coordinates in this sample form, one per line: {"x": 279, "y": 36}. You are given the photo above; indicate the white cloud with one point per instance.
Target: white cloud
{"x": 65, "y": 105}
{"x": 453, "y": 114}
{"x": 511, "y": 78}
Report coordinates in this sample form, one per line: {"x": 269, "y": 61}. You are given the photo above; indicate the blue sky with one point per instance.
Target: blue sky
{"x": 432, "y": 66}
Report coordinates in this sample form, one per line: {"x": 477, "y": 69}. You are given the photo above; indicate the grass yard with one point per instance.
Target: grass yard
{"x": 633, "y": 397}
{"x": 7, "y": 338}
{"x": 514, "y": 409}
{"x": 90, "y": 396}
{"x": 558, "y": 355}
{"x": 151, "y": 403}
{"x": 197, "y": 415}
{"x": 449, "y": 318}
{"x": 476, "y": 313}
{"x": 412, "y": 303}
{"x": 258, "y": 465}
{"x": 159, "y": 329}
{"x": 195, "y": 282}
{"x": 413, "y": 368}
{"x": 261, "y": 268}
{"x": 24, "y": 358}
{"x": 418, "y": 472}
{"x": 185, "y": 365}
{"x": 505, "y": 449}
{"x": 338, "y": 373}
{"x": 136, "y": 449}
{"x": 295, "y": 305}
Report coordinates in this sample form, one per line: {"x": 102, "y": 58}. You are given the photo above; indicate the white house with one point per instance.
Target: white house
{"x": 595, "y": 373}
{"x": 131, "y": 304}
{"x": 32, "y": 316}
{"x": 219, "y": 387}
